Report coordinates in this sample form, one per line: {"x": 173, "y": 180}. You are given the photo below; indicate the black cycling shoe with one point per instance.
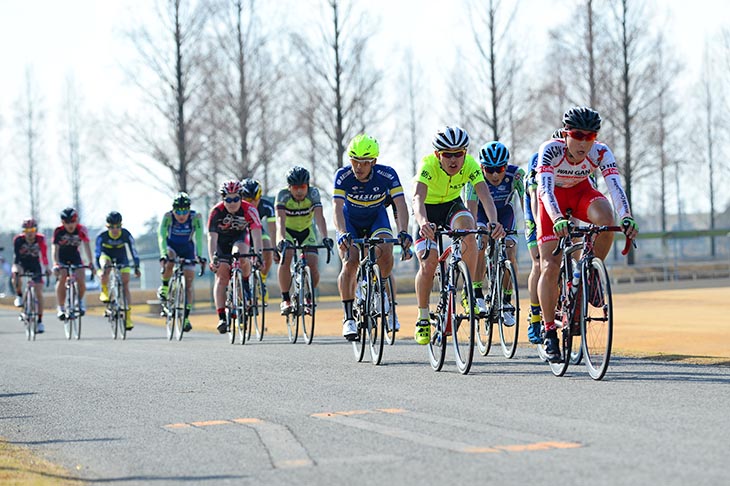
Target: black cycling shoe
{"x": 552, "y": 346}
{"x": 222, "y": 326}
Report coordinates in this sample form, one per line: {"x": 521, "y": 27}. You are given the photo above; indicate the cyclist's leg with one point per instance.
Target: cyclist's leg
{"x": 600, "y": 212}
{"x": 38, "y": 285}
{"x": 463, "y": 219}
{"x": 104, "y": 262}
{"x": 245, "y": 263}
{"x": 285, "y": 268}
{"x": 15, "y": 279}
{"x": 61, "y": 288}
{"x": 167, "y": 269}
{"x": 126, "y": 276}
{"x": 81, "y": 282}
{"x": 380, "y": 228}
{"x": 312, "y": 255}
{"x": 268, "y": 256}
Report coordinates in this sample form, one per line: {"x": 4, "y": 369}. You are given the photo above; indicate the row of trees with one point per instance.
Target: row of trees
{"x": 229, "y": 90}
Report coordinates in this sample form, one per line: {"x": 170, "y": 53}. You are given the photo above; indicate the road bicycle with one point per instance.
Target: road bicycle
{"x": 117, "y": 307}
{"x": 585, "y": 303}
{"x": 72, "y": 305}
{"x": 373, "y": 303}
{"x": 173, "y": 308}
{"x": 502, "y": 297}
{"x": 237, "y": 306}
{"x": 455, "y": 312}
{"x": 301, "y": 289}
{"x": 256, "y": 312}
{"x": 29, "y": 313}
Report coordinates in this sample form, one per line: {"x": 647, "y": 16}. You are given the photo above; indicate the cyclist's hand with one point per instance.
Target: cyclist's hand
{"x": 329, "y": 243}
{"x": 281, "y": 246}
{"x": 427, "y": 231}
{"x": 258, "y": 261}
{"x": 48, "y": 272}
{"x": 277, "y": 257}
{"x": 163, "y": 261}
{"x": 137, "y": 272}
{"x": 406, "y": 240}
{"x": 530, "y": 226}
{"x": 344, "y": 240}
{"x": 560, "y": 227}
{"x": 497, "y": 231}
{"x": 56, "y": 270}
{"x": 214, "y": 264}
{"x": 629, "y": 227}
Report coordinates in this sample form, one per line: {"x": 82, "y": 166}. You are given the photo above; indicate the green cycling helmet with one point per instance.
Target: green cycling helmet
{"x": 363, "y": 146}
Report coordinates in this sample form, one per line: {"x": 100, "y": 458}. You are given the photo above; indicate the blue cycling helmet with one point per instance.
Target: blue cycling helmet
{"x": 494, "y": 154}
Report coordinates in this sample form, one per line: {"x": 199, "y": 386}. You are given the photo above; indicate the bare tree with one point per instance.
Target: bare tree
{"x": 340, "y": 82}
{"x": 413, "y": 93}
{"x": 29, "y": 119}
{"x": 72, "y": 126}
{"x": 174, "y": 58}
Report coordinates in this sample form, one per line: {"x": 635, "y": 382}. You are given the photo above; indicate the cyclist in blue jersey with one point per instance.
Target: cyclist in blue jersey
{"x": 360, "y": 194}
{"x": 504, "y": 182}
{"x": 116, "y": 243}
{"x": 180, "y": 234}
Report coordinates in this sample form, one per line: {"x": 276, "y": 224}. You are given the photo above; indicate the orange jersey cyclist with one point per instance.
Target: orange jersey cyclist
{"x": 67, "y": 242}
{"x": 563, "y": 167}
{"x": 30, "y": 254}
{"x": 437, "y": 202}
{"x": 360, "y": 193}
{"x": 229, "y": 225}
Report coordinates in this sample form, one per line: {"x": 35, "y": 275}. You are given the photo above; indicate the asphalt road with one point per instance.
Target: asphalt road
{"x": 202, "y": 411}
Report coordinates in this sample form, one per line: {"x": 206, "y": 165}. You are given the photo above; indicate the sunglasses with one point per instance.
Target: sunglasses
{"x": 361, "y": 161}
{"x": 299, "y": 186}
{"x": 30, "y": 230}
{"x": 495, "y": 170}
{"x": 582, "y": 136}
{"x": 451, "y": 155}
{"x": 181, "y": 212}
{"x": 233, "y": 199}
{"x": 114, "y": 226}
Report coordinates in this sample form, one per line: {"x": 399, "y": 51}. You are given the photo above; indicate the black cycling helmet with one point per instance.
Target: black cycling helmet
{"x": 69, "y": 215}
{"x": 557, "y": 133}
{"x": 297, "y": 175}
{"x": 181, "y": 201}
{"x": 251, "y": 188}
{"x": 114, "y": 218}
{"x": 582, "y": 118}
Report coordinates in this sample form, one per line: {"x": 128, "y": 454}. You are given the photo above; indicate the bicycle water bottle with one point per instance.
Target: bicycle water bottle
{"x": 575, "y": 281}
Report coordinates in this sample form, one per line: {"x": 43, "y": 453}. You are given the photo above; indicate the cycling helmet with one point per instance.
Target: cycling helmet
{"x": 451, "y": 138}
{"x": 69, "y": 215}
{"x": 363, "y": 146}
{"x": 251, "y": 188}
{"x": 494, "y": 154}
{"x": 29, "y": 223}
{"x": 114, "y": 218}
{"x": 297, "y": 175}
{"x": 582, "y": 118}
{"x": 557, "y": 133}
{"x": 230, "y": 187}
{"x": 181, "y": 201}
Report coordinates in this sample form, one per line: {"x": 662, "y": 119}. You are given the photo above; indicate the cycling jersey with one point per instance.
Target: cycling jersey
{"x": 530, "y": 184}
{"x": 556, "y": 171}
{"x": 504, "y": 192}
{"x": 233, "y": 226}
{"x": 299, "y": 214}
{"x": 69, "y": 243}
{"x": 266, "y": 213}
{"x": 118, "y": 248}
{"x": 29, "y": 254}
{"x": 442, "y": 187}
{"x": 179, "y": 236}
{"x": 364, "y": 200}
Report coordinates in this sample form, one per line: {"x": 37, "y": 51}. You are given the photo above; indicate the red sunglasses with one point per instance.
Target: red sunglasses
{"x": 582, "y": 136}
{"x": 495, "y": 170}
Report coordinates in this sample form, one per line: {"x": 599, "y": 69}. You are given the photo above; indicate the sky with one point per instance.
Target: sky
{"x": 82, "y": 38}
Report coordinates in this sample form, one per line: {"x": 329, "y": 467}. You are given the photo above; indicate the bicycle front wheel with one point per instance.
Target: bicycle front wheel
{"x": 76, "y": 328}
{"x": 257, "y": 314}
{"x": 308, "y": 306}
{"x": 168, "y": 309}
{"x": 390, "y": 315}
{"x": 376, "y": 316}
{"x": 68, "y": 322}
{"x": 123, "y": 310}
{"x": 240, "y": 305}
{"x": 30, "y": 313}
{"x": 509, "y": 310}
{"x": 360, "y": 313}
{"x": 596, "y": 320}
{"x": 180, "y": 300}
{"x": 462, "y": 317}
{"x": 437, "y": 343}
{"x": 563, "y": 317}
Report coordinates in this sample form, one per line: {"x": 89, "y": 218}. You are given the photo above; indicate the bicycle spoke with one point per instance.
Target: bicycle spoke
{"x": 596, "y": 318}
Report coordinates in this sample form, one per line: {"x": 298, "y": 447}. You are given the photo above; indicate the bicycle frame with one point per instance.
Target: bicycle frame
{"x": 175, "y": 306}
{"x": 116, "y": 308}
{"x": 30, "y": 313}
{"x": 72, "y": 320}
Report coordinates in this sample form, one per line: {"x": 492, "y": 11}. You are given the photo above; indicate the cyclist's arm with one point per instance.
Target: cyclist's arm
{"x": 340, "y": 224}
{"x": 162, "y": 234}
{"x": 258, "y": 243}
{"x": 519, "y": 184}
{"x": 133, "y": 249}
{"x": 271, "y": 225}
{"x": 198, "y": 229}
{"x": 485, "y": 197}
{"x": 280, "y": 224}
{"x": 54, "y": 254}
{"x": 546, "y": 194}
{"x": 419, "y": 204}
{"x": 320, "y": 221}
{"x": 212, "y": 244}
{"x": 89, "y": 257}
{"x": 97, "y": 250}
{"x": 43, "y": 250}
{"x": 401, "y": 211}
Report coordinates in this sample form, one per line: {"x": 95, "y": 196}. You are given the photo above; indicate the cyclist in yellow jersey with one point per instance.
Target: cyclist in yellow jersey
{"x": 437, "y": 202}
{"x": 298, "y": 207}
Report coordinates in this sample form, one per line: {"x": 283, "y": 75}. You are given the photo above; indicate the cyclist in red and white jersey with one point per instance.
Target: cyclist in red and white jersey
{"x": 563, "y": 167}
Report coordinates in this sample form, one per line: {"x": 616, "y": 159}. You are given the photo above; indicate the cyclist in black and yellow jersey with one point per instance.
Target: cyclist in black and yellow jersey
{"x": 252, "y": 194}
{"x": 298, "y": 207}
{"x": 437, "y": 202}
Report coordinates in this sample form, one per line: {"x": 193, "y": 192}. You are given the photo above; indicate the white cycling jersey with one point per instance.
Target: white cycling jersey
{"x": 555, "y": 170}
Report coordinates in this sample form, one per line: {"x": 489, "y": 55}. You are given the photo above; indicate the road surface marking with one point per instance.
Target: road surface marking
{"x": 208, "y": 423}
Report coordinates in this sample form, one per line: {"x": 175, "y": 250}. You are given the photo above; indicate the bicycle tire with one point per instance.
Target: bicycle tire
{"x": 70, "y": 317}
{"x": 112, "y": 305}
{"x": 308, "y": 305}
{"x": 359, "y": 313}
{"x": 563, "y": 314}
{"x": 292, "y": 319}
{"x": 390, "y": 329}
{"x": 509, "y": 335}
{"x": 484, "y": 324}
{"x": 168, "y": 308}
{"x": 240, "y": 305}
{"x": 123, "y": 309}
{"x": 596, "y": 322}
{"x": 463, "y": 323}
{"x": 258, "y": 316}
{"x": 437, "y": 343}
{"x": 180, "y": 302}
{"x": 31, "y": 315}
{"x": 376, "y": 316}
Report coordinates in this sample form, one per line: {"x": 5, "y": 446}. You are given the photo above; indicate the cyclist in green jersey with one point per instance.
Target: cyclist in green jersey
{"x": 437, "y": 202}
{"x": 298, "y": 207}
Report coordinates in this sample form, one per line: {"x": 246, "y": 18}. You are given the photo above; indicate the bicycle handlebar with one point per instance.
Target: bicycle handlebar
{"x": 379, "y": 241}
{"x": 583, "y": 231}
{"x": 290, "y": 246}
{"x": 187, "y": 261}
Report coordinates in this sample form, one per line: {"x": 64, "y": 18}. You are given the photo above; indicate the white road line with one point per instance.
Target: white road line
{"x": 283, "y": 448}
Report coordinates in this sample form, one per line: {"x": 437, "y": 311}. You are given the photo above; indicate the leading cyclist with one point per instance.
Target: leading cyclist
{"x": 437, "y": 202}
{"x": 67, "y": 239}
{"x": 563, "y": 167}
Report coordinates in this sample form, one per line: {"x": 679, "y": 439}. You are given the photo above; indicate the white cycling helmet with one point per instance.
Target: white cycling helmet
{"x": 451, "y": 138}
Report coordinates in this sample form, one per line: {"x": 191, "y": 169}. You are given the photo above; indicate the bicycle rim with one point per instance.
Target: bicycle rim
{"x": 597, "y": 320}
{"x": 308, "y": 306}
{"x": 241, "y": 307}
{"x": 76, "y": 328}
{"x": 359, "y": 313}
{"x": 123, "y": 310}
{"x": 168, "y": 307}
{"x": 259, "y": 312}
{"x": 437, "y": 343}
{"x": 390, "y": 330}
{"x": 563, "y": 316}
{"x": 30, "y": 314}
{"x": 376, "y": 316}
{"x": 68, "y": 321}
{"x": 180, "y": 303}
{"x": 508, "y": 335}
{"x": 292, "y": 319}
{"x": 463, "y": 319}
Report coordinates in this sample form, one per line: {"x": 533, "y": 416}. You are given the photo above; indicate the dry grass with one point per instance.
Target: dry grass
{"x": 20, "y": 467}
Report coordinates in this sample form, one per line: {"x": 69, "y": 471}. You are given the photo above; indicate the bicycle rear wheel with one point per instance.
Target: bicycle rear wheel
{"x": 123, "y": 310}
{"x": 437, "y": 343}
{"x": 563, "y": 317}
{"x": 31, "y": 314}
{"x": 168, "y": 309}
{"x": 257, "y": 314}
{"x": 596, "y": 318}
{"x": 508, "y": 335}
{"x": 390, "y": 329}
{"x": 240, "y": 306}
{"x": 463, "y": 318}
{"x": 76, "y": 328}
{"x": 308, "y": 305}
{"x": 376, "y": 316}
{"x": 292, "y": 318}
